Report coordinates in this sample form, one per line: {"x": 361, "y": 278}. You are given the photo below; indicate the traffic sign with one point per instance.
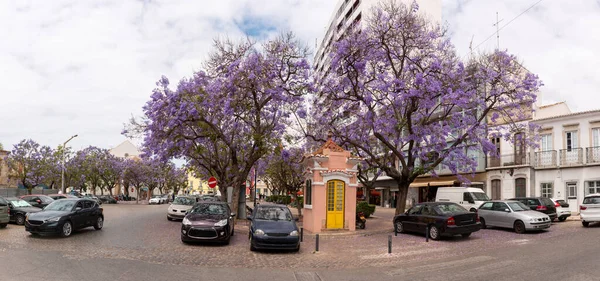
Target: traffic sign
{"x": 212, "y": 182}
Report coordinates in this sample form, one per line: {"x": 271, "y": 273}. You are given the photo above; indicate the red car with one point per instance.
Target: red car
{"x": 38, "y": 200}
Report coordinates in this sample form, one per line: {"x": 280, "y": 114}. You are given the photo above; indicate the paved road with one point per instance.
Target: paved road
{"x": 138, "y": 243}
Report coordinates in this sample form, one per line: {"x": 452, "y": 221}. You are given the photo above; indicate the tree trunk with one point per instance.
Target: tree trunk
{"x": 295, "y": 196}
{"x": 367, "y": 191}
{"x": 235, "y": 198}
{"x": 110, "y": 191}
{"x": 401, "y": 198}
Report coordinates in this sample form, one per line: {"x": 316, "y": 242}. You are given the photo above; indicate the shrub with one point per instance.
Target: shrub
{"x": 279, "y": 199}
{"x": 366, "y": 208}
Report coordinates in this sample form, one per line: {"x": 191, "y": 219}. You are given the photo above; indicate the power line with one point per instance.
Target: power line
{"x": 498, "y": 30}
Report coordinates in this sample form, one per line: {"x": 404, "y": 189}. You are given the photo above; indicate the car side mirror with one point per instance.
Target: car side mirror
{"x": 507, "y": 210}
{"x": 232, "y": 214}
{"x": 471, "y": 201}
{"x": 78, "y": 209}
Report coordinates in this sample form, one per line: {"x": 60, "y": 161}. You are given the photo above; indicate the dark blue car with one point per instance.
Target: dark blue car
{"x": 273, "y": 227}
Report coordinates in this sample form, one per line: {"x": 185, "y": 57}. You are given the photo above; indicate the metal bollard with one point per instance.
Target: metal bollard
{"x": 301, "y": 234}
{"x": 389, "y": 244}
{"x": 427, "y": 234}
{"x": 395, "y": 230}
{"x": 317, "y": 243}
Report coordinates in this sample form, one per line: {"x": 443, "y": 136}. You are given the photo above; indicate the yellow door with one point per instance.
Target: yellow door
{"x": 335, "y": 204}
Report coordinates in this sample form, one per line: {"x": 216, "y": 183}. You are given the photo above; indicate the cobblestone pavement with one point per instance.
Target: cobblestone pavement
{"x": 142, "y": 233}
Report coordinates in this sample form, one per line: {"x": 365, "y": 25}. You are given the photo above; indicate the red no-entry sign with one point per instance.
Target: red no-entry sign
{"x": 212, "y": 182}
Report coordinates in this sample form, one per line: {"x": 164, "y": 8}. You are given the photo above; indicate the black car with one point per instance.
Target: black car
{"x": 441, "y": 218}
{"x": 208, "y": 221}
{"x": 18, "y": 209}
{"x": 273, "y": 227}
{"x": 107, "y": 199}
{"x": 39, "y": 201}
{"x": 540, "y": 204}
{"x": 64, "y": 216}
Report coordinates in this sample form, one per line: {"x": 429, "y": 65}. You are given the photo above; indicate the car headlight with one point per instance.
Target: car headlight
{"x": 53, "y": 219}
{"x": 294, "y": 233}
{"x": 186, "y": 221}
{"x": 533, "y": 220}
{"x": 259, "y": 232}
{"x": 221, "y": 223}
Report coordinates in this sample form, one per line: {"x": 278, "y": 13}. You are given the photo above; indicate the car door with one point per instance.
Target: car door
{"x": 486, "y": 213}
{"x": 33, "y": 201}
{"x": 427, "y": 217}
{"x": 410, "y": 221}
{"x": 503, "y": 218}
{"x": 3, "y": 211}
{"x": 88, "y": 210}
{"x": 79, "y": 217}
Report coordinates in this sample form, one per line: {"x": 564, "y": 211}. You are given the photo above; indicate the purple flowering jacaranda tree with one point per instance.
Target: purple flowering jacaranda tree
{"x": 32, "y": 164}
{"x": 284, "y": 170}
{"x": 110, "y": 169}
{"x": 227, "y": 116}
{"x": 399, "y": 95}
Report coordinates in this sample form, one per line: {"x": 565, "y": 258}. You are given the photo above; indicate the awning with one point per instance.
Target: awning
{"x": 433, "y": 183}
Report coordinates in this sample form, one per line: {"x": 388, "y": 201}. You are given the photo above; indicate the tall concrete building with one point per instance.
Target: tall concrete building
{"x": 351, "y": 12}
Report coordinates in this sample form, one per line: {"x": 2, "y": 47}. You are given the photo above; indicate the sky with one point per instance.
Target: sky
{"x": 85, "y": 67}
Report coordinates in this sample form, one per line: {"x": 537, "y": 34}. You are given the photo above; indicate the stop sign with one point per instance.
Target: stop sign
{"x": 212, "y": 182}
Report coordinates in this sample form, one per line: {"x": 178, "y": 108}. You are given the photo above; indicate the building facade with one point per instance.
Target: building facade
{"x": 5, "y": 180}
{"x": 567, "y": 162}
{"x": 351, "y": 12}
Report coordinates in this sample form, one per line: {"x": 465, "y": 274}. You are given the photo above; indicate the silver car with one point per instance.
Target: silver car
{"x": 512, "y": 214}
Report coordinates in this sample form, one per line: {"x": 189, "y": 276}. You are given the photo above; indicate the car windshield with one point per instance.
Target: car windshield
{"x": 591, "y": 200}
{"x": 19, "y": 203}
{"x": 46, "y": 199}
{"x": 273, "y": 214}
{"x": 480, "y": 196}
{"x": 209, "y": 209}
{"x": 60, "y": 205}
{"x": 450, "y": 208}
{"x": 518, "y": 206}
{"x": 184, "y": 201}
{"x": 547, "y": 202}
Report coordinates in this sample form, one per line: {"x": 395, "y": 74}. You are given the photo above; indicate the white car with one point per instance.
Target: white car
{"x": 156, "y": 199}
{"x": 589, "y": 210}
{"x": 562, "y": 209}
{"x": 180, "y": 206}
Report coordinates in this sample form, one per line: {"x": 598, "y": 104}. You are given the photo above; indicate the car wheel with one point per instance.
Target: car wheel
{"x": 399, "y": 227}
{"x": 99, "y": 223}
{"x": 585, "y": 223}
{"x": 519, "y": 227}
{"x": 482, "y": 221}
{"x": 434, "y": 232}
{"x": 66, "y": 229}
{"x": 465, "y": 235}
{"x": 562, "y": 219}
{"x": 20, "y": 220}
{"x": 2, "y": 225}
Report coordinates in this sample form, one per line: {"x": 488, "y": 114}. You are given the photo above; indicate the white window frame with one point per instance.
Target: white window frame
{"x": 571, "y": 136}
{"x": 546, "y": 144}
{"x": 569, "y": 194}
{"x": 592, "y": 185}
{"x": 547, "y": 189}
{"x": 595, "y": 137}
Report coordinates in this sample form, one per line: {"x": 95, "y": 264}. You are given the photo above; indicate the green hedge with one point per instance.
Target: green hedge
{"x": 366, "y": 208}
{"x": 279, "y": 199}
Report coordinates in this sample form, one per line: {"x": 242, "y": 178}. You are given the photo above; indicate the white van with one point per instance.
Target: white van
{"x": 468, "y": 197}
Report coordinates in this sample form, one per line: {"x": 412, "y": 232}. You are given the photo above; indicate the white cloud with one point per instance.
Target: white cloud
{"x": 83, "y": 67}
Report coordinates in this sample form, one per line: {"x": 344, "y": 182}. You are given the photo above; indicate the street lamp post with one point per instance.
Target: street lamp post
{"x": 62, "y": 180}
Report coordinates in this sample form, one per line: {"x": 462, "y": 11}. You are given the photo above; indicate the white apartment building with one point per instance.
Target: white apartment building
{"x": 350, "y": 12}
{"x": 567, "y": 163}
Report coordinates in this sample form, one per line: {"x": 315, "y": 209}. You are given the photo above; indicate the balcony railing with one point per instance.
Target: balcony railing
{"x": 573, "y": 156}
{"x": 545, "y": 158}
{"x": 508, "y": 160}
{"x": 592, "y": 154}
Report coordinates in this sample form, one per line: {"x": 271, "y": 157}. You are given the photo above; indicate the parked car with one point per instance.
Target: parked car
{"x": 156, "y": 199}
{"x": 166, "y": 198}
{"x": 562, "y": 209}
{"x": 273, "y": 227}
{"x": 440, "y": 218}
{"x": 512, "y": 214}
{"x": 39, "y": 201}
{"x": 107, "y": 199}
{"x": 468, "y": 197}
{"x": 92, "y": 197}
{"x": 61, "y": 196}
{"x": 178, "y": 209}
{"x": 18, "y": 209}
{"x": 209, "y": 198}
{"x": 65, "y": 216}
{"x": 4, "y": 213}
{"x": 208, "y": 221}
{"x": 589, "y": 210}
{"x": 541, "y": 204}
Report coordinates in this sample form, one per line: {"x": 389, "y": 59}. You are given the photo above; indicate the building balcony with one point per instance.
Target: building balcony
{"x": 508, "y": 160}
{"x": 592, "y": 155}
{"x": 545, "y": 159}
{"x": 570, "y": 157}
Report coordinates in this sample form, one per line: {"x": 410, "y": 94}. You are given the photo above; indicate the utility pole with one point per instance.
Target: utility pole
{"x": 497, "y": 25}
{"x": 64, "y": 148}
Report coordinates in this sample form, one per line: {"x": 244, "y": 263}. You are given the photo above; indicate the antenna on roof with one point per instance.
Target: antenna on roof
{"x": 497, "y": 25}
